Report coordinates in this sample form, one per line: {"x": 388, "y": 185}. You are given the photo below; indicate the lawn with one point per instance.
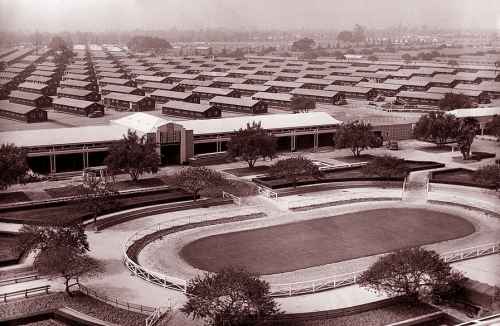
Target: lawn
{"x": 318, "y": 242}
{"x": 8, "y": 250}
{"x": 13, "y": 197}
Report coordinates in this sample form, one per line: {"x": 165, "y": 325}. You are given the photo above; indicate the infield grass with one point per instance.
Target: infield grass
{"x": 322, "y": 241}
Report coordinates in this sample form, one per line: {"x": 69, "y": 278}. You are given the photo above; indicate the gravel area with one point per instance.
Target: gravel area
{"x": 163, "y": 255}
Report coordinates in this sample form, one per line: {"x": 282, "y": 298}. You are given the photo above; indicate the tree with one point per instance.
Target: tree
{"x": 155, "y": 45}
{"x": 69, "y": 264}
{"x": 96, "y": 197}
{"x": 494, "y": 125}
{"x": 406, "y": 58}
{"x": 134, "y": 155}
{"x": 345, "y": 36}
{"x": 386, "y": 166}
{"x": 252, "y": 143}
{"x": 372, "y": 58}
{"x": 436, "y": 127}
{"x": 355, "y": 135}
{"x": 489, "y": 174}
{"x": 452, "y": 101}
{"x": 339, "y": 55}
{"x": 301, "y": 104}
{"x": 196, "y": 179}
{"x": 453, "y": 63}
{"x": 232, "y": 296}
{"x": 412, "y": 272}
{"x": 61, "y": 52}
{"x": 294, "y": 169}
{"x": 40, "y": 238}
{"x": 358, "y": 33}
{"x": 465, "y": 135}
{"x": 13, "y": 165}
{"x": 303, "y": 45}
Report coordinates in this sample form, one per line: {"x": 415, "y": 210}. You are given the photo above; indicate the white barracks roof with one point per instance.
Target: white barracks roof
{"x": 271, "y": 121}
{"x": 476, "y": 113}
{"x": 142, "y": 122}
{"x": 62, "y": 136}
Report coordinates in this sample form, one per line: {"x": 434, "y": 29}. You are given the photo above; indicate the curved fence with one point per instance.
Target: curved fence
{"x": 465, "y": 201}
{"x": 472, "y": 252}
{"x": 115, "y": 302}
{"x": 357, "y": 196}
{"x": 161, "y": 279}
{"x": 327, "y": 283}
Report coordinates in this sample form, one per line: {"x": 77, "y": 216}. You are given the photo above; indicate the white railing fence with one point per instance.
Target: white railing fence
{"x": 327, "y": 283}
{"x": 236, "y": 200}
{"x": 461, "y": 200}
{"x": 161, "y": 279}
{"x": 317, "y": 201}
{"x": 268, "y": 193}
{"x": 159, "y": 312}
{"x": 332, "y": 282}
{"x": 472, "y": 252}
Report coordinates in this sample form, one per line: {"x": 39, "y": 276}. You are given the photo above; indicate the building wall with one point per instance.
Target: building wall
{"x": 395, "y": 132}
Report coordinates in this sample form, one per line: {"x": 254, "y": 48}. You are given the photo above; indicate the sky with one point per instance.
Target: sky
{"x": 101, "y": 15}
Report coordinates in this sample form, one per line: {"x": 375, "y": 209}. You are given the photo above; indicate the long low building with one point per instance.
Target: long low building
{"x": 241, "y": 105}
{"x": 280, "y": 100}
{"x": 24, "y": 113}
{"x": 161, "y": 96}
{"x": 329, "y": 97}
{"x": 74, "y": 149}
{"x": 424, "y": 98}
{"x": 77, "y": 107}
{"x": 190, "y": 110}
{"x": 126, "y": 102}
{"x": 474, "y": 95}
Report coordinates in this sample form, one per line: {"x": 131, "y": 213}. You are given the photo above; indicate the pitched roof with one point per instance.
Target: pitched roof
{"x": 269, "y": 122}
{"x": 73, "y": 102}
{"x": 140, "y": 121}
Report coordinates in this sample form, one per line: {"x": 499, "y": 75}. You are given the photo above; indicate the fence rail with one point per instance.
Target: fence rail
{"x": 161, "y": 279}
{"x": 18, "y": 279}
{"x": 317, "y": 201}
{"x": 268, "y": 193}
{"x": 114, "y": 301}
{"x": 327, "y": 283}
{"x": 461, "y": 200}
{"x": 236, "y": 200}
{"x": 472, "y": 252}
{"x": 26, "y": 292}
{"x": 159, "y": 312}
{"x": 332, "y": 282}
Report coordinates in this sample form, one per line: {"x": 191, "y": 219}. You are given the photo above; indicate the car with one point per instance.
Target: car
{"x": 398, "y": 102}
{"x": 95, "y": 114}
{"x": 379, "y": 98}
{"x": 392, "y": 145}
{"x": 410, "y": 106}
{"x": 387, "y": 106}
{"x": 341, "y": 102}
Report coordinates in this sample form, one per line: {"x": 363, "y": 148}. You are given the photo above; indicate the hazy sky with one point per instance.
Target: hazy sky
{"x": 98, "y": 15}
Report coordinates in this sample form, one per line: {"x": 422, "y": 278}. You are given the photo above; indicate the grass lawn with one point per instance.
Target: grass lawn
{"x": 318, "y": 242}
{"x": 243, "y": 172}
{"x": 13, "y": 197}
{"x": 8, "y": 249}
{"x": 118, "y": 185}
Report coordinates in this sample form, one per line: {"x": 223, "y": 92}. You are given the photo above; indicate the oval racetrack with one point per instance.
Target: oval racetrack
{"x": 322, "y": 241}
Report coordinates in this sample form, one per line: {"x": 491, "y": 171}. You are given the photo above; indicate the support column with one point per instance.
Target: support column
{"x": 293, "y": 141}
{"x": 85, "y": 159}
{"x": 316, "y": 140}
{"x": 53, "y": 166}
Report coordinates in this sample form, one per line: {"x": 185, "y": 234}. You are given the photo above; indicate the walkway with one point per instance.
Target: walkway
{"x": 117, "y": 281}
